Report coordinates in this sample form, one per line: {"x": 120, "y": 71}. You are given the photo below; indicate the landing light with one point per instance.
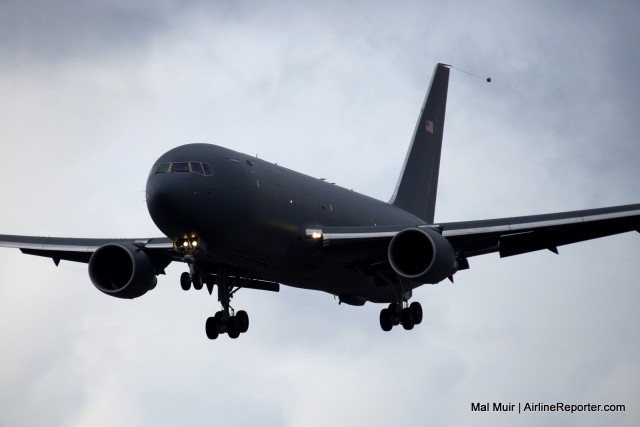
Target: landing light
{"x": 314, "y": 234}
{"x": 187, "y": 244}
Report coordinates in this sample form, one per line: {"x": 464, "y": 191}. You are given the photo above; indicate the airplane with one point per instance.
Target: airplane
{"x": 238, "y": 221}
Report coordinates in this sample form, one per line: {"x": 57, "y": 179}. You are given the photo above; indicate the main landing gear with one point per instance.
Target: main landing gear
{"x": 222, "y": 322}
{"x": 395, "y": 314}
{"x": 226, "y": 320}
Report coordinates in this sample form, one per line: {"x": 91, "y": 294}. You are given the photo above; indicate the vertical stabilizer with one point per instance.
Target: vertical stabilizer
{"x": 418, "y": 183}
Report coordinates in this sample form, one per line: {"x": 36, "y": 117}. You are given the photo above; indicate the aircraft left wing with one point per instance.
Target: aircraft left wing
{"x": 507, "y": 236}
{"x": 519, "y": 235}
{"x": 81, "y": 249}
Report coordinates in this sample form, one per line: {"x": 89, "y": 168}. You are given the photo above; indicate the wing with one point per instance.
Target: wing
{"x": 507, "y": 236}
{"x": 518, "y": 235}
{"x": 80, "y": 250}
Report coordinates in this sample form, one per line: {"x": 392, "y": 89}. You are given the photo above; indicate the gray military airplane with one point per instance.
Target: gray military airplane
{"x": 241, "y": 222}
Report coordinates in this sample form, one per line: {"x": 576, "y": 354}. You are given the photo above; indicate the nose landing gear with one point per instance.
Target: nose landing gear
{"x": 187, "y": 279}
{"x": 187, "y": 246}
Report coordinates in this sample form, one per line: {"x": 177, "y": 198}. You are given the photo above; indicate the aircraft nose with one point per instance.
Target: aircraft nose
{"x": 166, "y": 198}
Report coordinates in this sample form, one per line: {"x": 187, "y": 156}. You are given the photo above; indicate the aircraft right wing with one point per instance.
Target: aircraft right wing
{"x": 81, "y": 249}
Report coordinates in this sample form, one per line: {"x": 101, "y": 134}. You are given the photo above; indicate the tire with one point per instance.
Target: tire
{"x": 233, "y": 329}
{"x": 242, "y": 318}
{"x": 416, "y": 312}
{"x": 197, "y": 282}
{"x": 407, "y": 319}
{"x": 211, "y": 327}
{"x": 185, "y": 281}
{"x": 222, "y": 325}
{"x": 386, "y": 320}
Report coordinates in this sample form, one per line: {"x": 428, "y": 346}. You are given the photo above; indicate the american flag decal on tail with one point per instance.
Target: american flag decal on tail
{"x": 429, "y": 126}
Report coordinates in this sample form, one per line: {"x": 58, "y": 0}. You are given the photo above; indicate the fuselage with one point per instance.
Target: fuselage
{"x": 253, "y": 215}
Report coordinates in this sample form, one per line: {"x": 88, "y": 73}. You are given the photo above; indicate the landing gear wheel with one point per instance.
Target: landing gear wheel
{"x": 407, "y": 319}
{"x": 197, "y": 282}
{"x": 242, "y": 319}
{"x": 416, "y": 312}
{"x": 233, "y": 329}
{"x": 211, "y": 327}
{"x": 185, "y": 281}
{"x": 221, "y": 324}
{"x": 386, "y": 319}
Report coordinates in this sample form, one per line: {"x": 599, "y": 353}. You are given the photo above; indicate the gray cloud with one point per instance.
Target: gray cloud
{"x": 93, "y": 93}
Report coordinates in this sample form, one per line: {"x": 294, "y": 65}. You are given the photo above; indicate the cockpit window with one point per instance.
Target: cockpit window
{"x": 180, "y": 167}
{"x": 161, "y": 167}
{"x": 200, "y": 168}
{"x": 196, "y": 167}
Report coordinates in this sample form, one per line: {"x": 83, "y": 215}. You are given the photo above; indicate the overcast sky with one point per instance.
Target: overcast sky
{"x": 91, "y": 93}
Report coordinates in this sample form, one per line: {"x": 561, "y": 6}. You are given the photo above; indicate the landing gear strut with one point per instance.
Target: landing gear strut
{"x": 395, "y": 314}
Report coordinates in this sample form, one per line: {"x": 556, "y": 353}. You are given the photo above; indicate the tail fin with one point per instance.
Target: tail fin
{"x": 418, "y": 183}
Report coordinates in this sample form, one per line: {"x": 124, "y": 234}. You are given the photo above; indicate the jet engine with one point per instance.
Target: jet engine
{"x": 422, "y": 255}
{"x": 122, "y": 270}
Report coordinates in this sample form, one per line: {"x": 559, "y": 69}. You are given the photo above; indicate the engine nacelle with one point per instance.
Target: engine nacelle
{"x": 422, "y": 255}
{"x": 122, "y": 270}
